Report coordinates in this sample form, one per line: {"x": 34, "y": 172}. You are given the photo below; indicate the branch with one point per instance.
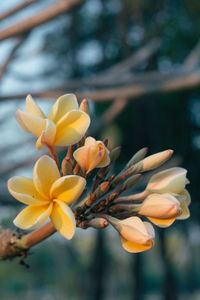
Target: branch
{"x": 13, "y": 243}
{"x": 50, "y": 13}
{"x": 10, "y": 57}
{"x": 193, "y": 58}
{"x": 177, "y": 81}
{"x": 15, "y": 9}
{"x": 140, "y": 56}
{"x": 114, "y": 110}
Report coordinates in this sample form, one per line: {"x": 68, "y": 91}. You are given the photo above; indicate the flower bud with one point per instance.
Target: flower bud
{"x": 168, "y": 181}
{"x": 162, "y": 210}
{"x": 114, "y": 154}
{"x": 92, "y": 155}
{"x": 84, "y": 106}
{"x": 137, "y": 157}
{"x": 67, "y": 166}
{"x": 98, "y": 223}
{"x": 131, "y": 181}
{"x": 153, "y": 161}
{"x": 136, "y": 236}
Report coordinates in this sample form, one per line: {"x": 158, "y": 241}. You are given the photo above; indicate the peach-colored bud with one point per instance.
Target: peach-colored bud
{"x": 93, "y": 154}
{"x": 162, "y": 210}
{"x": 84, "y": 106}
{"x": 168, "y": 181}
{"x": 136, "y": 236}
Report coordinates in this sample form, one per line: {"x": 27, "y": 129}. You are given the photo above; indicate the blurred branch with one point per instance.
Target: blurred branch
{"x": 114, "y": 110}
{"x": 139, "y": 57}
{"x": 177, "y": 81}
{"x": 50, "y": 13}
{"x": 15, "y": 9}
{"x": 193, "y": 58}
{"x": 10, "y": 57}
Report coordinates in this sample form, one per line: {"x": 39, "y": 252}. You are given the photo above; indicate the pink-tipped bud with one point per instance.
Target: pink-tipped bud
{"x": 84, "y": 106}
{"x": 168, "y": 181}
{"x": 136, "y": 236}
{"x": 161, "y": 209}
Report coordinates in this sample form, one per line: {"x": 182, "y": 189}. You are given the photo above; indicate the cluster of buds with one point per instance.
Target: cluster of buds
{"x": 60, "y": 191}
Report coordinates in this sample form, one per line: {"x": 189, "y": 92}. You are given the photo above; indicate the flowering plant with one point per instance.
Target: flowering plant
{"x": 60, "y": 191}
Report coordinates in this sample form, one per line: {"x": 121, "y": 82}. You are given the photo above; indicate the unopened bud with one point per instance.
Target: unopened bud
{"x": 67, "y": 166}
{"x": 161, "y": 209}
{"x": 151, "y": 162}
{"x": 84, "y": 106}
{"x": 137, "y": 157}
{"x": 131, "y": 181}
{"x": 114, "y": 154}
{"x": 102, "y": 189}
{"x": 98, "y": 193}
{"x": 135, "y": 235}
{"x": 98, "y": 223}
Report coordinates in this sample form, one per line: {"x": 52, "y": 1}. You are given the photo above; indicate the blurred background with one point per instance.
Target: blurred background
{"x": 138, "y": 63}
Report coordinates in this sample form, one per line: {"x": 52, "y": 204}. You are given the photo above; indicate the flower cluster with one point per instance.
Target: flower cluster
{"x": 61, "y": 192}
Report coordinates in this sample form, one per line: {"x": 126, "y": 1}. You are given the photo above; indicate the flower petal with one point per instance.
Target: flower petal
{"x": 162, "y": 222}
{"x": 89, "y": 141}
{"x": 63, "y": 105}
{"x": 95, "y": 157}
{"x": 23, "y": 189}
{"x": 63, "y": 219}
{"x": 47, "y": 136}
{"x": 33, "y": 108}
{"x": 81, "y": 155}
{"x": 106, "y": 159}
{"x": 68, "y": 188}
{"x": 185, "y": 210}
{"x": 33, "y": 216}
{"x": 45, "y": 173}
{"x": 187, "y": 195}
{"x": 71, "y": 128}
{"x": 135, "y": 248}
{"x": 30, "y": 123}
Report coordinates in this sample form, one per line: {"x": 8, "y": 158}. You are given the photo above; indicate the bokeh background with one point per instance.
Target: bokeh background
{"x": 137, "y": 61}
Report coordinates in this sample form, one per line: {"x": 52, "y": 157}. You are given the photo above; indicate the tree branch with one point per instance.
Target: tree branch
{"x": 177, "y": 81}
{"x": 50, "y": 13}
{"x": 10, "y": 57}
{"x": 13, "y": 243}
{"x": 15, "y": 9}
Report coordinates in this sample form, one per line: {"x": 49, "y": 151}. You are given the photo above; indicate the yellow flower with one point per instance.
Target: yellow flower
{"x": 172, "y": 181}
{"x": 135, "y": 235}
{"x": 162, "y": 210}
{"x": 65, "y": 125}
{"x": 47, "y": 195}
{"x": 93, "y": 154}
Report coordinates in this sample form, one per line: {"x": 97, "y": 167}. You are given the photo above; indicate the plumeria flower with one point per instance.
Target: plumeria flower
{"x": 65, "y": 125}
{"x": 172, "y": 181}
{"x": 47, "y": 195}
{"x": 93, "y": 154}
{"x": 135, "y": 235}
{"x": 160, "y": 209}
